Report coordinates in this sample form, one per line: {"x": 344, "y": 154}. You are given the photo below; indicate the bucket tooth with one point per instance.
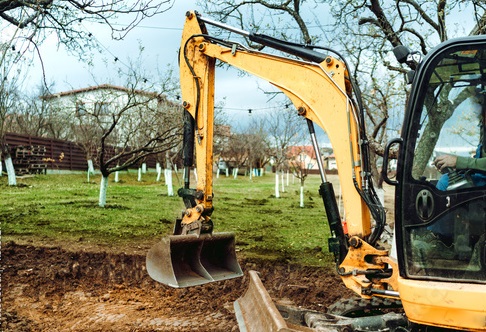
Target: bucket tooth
{"x": 190, "y": 260}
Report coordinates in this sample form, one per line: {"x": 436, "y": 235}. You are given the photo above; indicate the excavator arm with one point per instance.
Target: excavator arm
{"x": 320, "y": 89}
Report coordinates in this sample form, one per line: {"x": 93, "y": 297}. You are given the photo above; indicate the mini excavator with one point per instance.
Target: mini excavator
{"x": 439, "y": 270}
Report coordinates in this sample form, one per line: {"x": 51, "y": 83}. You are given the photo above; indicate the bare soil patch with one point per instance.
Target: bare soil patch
{"x": 54, "y": 289}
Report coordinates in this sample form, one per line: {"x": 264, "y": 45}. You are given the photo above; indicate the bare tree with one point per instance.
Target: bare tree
{"x": 364, "y": 32}
{"x": 10, "y": 81}
{"x": 258, "y": 139}
{"x": 35, "y": 116}
{"x": 284, "y": 128}
{"x": 299, "y": 165}
{"x": 26, "y": 24}
{"x": 32, "y": 21}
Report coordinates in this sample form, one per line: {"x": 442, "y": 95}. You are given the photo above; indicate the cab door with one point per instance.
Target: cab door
{"x": 441, "y": 217}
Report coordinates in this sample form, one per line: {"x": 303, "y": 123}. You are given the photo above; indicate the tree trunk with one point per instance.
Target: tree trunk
{"x": 139, "y": 174}
{"x": 159, "y": 171}
{"x": 283, "y": 186}
{"x": 1, "y": 165}
{"x": 103, "y": 190}
{"x": 90, "y": 168}
{"x": 301, "y": 196}
{"x": 117, "y": 176}
{"x": 277, "y": 191}
{"x": 170, "y": 188}
{"x": 12, "y": 180}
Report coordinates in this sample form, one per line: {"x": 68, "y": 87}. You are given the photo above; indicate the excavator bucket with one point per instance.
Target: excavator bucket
{"x": 190, "y": 260}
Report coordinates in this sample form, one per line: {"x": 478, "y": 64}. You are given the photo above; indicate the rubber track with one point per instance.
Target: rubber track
{"x": 358, "y": 307}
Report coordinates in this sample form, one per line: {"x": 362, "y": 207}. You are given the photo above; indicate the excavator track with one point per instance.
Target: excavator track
{"x": 359, "y": 307}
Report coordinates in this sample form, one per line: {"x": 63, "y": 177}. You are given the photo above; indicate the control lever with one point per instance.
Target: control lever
{"x": 456, "y": 180}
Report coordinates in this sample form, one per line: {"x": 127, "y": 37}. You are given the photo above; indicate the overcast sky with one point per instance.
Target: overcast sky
{"x": 161, "y": 37}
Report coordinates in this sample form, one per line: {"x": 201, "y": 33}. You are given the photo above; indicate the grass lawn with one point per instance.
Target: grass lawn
{"x": 63, "y": 208}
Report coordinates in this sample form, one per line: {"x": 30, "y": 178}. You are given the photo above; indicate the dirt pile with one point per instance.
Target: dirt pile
{"x": 53, "y": 289}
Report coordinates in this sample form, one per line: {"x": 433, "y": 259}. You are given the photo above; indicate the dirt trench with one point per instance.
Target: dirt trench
{"x": 53, "y": 289}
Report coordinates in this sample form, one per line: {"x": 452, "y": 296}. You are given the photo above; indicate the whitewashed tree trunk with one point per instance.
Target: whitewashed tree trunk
{"x": 195, "y": 174}
{"x": 301, "y": 196}
{"x": 283, "y": 186}
{"x": 12, "y": 180}
{"x": 288, "y": 178}
{"x": 139, "y": 174}
{"x": 103, "y": 190}
{"x": 227, "y": 172}
{"x": 1, "y": 166}
{"x": 251, "y": 173}
{"x": 144, "y": 168}
{"x": 277, "y": 191}
{"x": 217, "y": 173}
{"x": 170, "y": 187}
{"x": 159, "y": 171}
{"x": 235, "y": 172}
{"x": 117, "y": 176}
{"x": 90, "y": 168}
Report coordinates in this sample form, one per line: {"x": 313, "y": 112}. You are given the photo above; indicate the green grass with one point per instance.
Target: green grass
{"x": 64, "y": 209}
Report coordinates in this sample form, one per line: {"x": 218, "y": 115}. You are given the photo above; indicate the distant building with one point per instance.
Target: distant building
{"x": 97, "y": 105}
{"x": 303, "y": 155}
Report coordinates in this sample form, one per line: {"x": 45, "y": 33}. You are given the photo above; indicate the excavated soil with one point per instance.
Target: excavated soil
{"x": 54, "y": 289}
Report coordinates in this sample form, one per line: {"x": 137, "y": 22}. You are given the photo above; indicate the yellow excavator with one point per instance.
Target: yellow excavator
{"x": 437, "y": 265}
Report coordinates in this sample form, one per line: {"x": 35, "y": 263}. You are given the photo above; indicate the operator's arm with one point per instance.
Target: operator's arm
{"x": 471, "y": 163}
{"x": 460, "y": 163}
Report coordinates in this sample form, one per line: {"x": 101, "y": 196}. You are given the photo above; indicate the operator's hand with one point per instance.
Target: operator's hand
{"x": 446, "y": 160}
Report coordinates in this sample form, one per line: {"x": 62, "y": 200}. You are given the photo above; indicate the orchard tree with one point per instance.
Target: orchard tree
{"x": 10, "y": 96}
{"x": 36, "y": 117}
{"x": 284, "y": 127}
{"x": 26, "y": 24}
{"x": 258, "y": 141}
{"x": 300, "y": 163}
{"x": 120, "y": 126}
{"x": 365, "y": 32}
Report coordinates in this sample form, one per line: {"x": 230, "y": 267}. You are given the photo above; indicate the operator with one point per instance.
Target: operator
{"x": 478, "y": 162}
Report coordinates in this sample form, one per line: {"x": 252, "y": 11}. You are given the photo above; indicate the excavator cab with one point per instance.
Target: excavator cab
{"x": 443, "y": 235}
{"x": 440, "y": 212}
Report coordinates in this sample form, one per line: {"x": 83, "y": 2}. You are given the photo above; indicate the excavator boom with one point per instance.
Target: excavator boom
{"x": 322, "y": 91}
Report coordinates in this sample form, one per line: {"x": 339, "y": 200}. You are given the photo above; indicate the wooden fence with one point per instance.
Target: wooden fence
{"x": 32, "y": 154}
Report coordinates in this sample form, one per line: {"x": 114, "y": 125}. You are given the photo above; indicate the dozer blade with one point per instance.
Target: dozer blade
{"x": 256, "y": 312}
{"x": 190, "y": 260}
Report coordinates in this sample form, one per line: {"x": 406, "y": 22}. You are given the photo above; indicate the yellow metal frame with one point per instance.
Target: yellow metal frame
{"x": 321, "y": 93}
{"x": 318, "y": 91}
